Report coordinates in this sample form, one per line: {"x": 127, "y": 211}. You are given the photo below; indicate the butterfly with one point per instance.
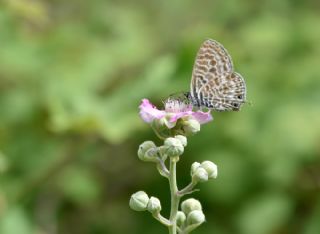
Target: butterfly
{"x": 214, "y": 84}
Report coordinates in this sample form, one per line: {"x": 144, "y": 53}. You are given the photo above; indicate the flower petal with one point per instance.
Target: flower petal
{"x": 202, "y": 117}
{"x": 179, "y": 115}
{"x": 149, "y": 112}
{"x": 167, "y": 121}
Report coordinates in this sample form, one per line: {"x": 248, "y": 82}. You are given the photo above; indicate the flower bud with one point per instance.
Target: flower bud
{"x": 148, "y": 152}
{"x": 162, "y": 152}
{"x": 189, "y": 205}
{"x": 182, "y": 139}
{"x": 165, "y": 121}
{"x": 139, "y": 201}
{"x": 200, "y": 175}
{"x": 154, "y": 205}
{"x": 211, "y": 169}
{"x": 181, "y": 218}
{"x": 174, "y": 147}
{"x": 191, "y": 126}
{"x": 195, "y": 217}
{"x": 194, "y": 166}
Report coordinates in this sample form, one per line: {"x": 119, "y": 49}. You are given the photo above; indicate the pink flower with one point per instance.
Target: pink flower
{"x": 149, "y": 112}
{"x": 174, "y": 110}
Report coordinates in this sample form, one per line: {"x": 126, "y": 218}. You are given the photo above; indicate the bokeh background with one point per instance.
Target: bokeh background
{"x": 72, "y": 74}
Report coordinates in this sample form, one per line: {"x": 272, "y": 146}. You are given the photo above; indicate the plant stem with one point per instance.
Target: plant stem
{"x": 164, "y": 169}
{"x": 162, "y": 219}
{"x": 188, "y": 189}
{"x": 174, "y": 195}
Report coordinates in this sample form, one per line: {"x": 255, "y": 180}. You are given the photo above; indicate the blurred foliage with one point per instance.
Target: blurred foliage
{"x": 72, "y": 74}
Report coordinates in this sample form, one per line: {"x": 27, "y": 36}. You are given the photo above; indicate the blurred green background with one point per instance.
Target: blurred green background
{"x": 72, "y": 74}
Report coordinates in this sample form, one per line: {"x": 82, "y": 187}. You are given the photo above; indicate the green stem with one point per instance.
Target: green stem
{"x": 174, "y": 195}
{"x": 157, "y": 133}
{"x": 162, "y": 219}
{"x": 163, "y": 167}
{"x": 188, "y": 189}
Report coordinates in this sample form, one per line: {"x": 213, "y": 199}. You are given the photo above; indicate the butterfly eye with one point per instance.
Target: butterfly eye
{"x": 239, "y": 96}
{"x": 235, "y": 105}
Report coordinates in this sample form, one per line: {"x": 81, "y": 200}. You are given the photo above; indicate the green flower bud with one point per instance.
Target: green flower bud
{"x": 191, "y": 126}
{"x": 139, "y": 201}
{"x": 189, "y": 205}
{"x": 211, "y": 169}
{"x": 162, "y": 151}
{"x": 182, "y": 139}
{"x": 194, "y": 166}
{"x": 148, "y": 152}
{"x": 195, "y": 217}
{"x": 154, "y": 205}
{"x": 165, "y": 121}
{"x": 200, "y": 175}
{"x": 174, "y": 147}
{"x": 181, "y": 218}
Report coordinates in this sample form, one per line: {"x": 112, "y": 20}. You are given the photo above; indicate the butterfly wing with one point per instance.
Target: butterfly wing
{"x": 231, "y": 94}
{"x": 214, "y": 84}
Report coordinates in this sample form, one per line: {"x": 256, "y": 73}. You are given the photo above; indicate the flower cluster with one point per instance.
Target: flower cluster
{"x": 140, "y": 201}
{"x": 188, "y": 218}
{"x": 172, "y": 125}
{"x": 201, "y": 172}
